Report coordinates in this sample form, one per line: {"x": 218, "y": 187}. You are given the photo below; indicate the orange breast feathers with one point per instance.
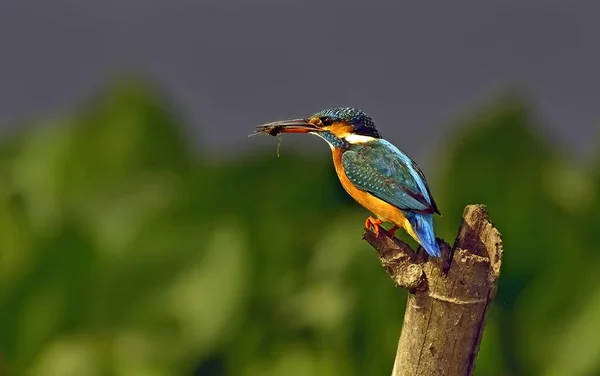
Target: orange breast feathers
{"x": 383, "y": 210}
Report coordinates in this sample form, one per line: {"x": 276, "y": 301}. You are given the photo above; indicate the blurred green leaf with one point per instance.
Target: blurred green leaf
{"x": 579, "y": 350}
{"x": 122, "y": 252}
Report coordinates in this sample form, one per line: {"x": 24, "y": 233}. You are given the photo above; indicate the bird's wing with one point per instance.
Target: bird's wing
{"x": 383, "y": 170}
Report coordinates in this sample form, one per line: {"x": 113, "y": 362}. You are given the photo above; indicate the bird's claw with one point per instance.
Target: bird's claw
{"x": 375, "y": 222}
{"x": 393, "y": 230}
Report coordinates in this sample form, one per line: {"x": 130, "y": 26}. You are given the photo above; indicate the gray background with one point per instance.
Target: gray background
{"x": 228, "y": 65}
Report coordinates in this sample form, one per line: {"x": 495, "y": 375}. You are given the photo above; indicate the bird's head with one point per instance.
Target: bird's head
{"x": 340, "y": 127}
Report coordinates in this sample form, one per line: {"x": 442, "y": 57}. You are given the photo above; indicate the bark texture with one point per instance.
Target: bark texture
{"x": 448, "y": 297}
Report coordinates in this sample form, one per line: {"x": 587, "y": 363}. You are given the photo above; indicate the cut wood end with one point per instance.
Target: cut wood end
{"x": 478, "y": 235}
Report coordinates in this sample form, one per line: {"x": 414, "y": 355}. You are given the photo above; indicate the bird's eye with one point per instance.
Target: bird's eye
{"x": 326, "y": 121}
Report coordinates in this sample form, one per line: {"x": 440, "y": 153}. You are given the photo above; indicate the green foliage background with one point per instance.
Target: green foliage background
{"x": 125, "y": 252}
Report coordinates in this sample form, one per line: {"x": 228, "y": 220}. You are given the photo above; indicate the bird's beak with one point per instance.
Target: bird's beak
{"x": 288, "y": 126}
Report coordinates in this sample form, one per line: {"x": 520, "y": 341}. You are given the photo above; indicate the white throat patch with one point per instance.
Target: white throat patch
{"x": 359, "y": 139}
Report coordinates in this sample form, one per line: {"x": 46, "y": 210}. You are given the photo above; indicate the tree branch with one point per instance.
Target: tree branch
{"x": 448, "y": 296}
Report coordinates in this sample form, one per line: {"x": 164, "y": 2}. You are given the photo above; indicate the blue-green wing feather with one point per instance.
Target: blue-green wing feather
{"x": 383, "y": 170}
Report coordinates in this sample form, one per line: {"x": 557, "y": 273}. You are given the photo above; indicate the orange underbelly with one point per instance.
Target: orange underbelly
{"x": 383, "y": 210}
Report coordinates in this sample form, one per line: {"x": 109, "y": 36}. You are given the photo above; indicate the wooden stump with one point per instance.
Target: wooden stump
{"x": 448, "y": 297}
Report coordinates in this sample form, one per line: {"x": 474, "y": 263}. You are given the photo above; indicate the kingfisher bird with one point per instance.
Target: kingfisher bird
{"x": 375, "y": 173}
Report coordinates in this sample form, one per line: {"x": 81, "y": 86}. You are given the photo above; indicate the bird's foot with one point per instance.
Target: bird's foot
{"x": 392, "y": 230}
{"x": 375, "y": 222}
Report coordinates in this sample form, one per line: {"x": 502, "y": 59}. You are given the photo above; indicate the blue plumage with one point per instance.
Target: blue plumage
{"x": 422, "y": 225}
{"x": 334, "y": 141}
{"x": 383, "y": 170}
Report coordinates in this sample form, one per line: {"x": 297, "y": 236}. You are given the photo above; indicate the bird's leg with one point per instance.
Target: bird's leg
{"x": 375, "y": 222}
{"x": 393, "y": 230}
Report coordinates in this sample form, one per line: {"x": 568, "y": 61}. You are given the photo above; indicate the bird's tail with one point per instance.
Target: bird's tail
{"x": 422, "y": 226}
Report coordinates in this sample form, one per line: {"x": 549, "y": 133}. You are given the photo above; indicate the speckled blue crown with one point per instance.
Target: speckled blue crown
{"x": 363, "y": 124}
